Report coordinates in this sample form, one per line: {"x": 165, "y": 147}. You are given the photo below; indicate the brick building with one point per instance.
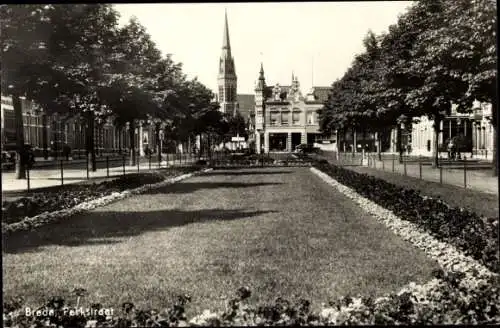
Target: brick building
{"x": 50, "y": 132}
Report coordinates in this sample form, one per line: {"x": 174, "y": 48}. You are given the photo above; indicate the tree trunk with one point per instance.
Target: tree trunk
{"x": 209, "y": 147}
{"x": 399, "y": 138}
{"x": 353, "y": 141}
{"x": 91, "y": 134}
{"x": 131, "y": 132}
{"x": 364, "y": 139}
{"x": 21, "y": 152}
{"x": 201, "y": 146}
{"x": 158, "y": 141}
{"x": 96, "y": 138}
{"x": 495, "y": 159}
{"x": 344, "y": 138}
{"x": 379, "y": 146}
{"x": 45, "y": 137}
{"x": 120, "y": 131}
{"x": 435, "y": 152}
{"x": 495, "y": 143}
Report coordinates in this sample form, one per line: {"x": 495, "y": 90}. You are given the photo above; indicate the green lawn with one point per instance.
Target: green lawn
{"x": 279, "y": 231}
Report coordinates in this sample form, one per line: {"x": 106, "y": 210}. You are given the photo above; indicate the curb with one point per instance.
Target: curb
{"x": 44, "y": 218}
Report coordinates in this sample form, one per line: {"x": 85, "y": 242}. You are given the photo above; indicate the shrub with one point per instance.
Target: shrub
{"x": 450, "y": 298}
{"x": 476, "y": 236}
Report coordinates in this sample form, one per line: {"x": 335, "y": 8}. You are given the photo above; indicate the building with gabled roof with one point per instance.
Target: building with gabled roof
{"x": 284, "y": 117}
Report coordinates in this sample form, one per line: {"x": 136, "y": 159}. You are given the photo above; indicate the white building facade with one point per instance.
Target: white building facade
{"x": 475, "y": 128}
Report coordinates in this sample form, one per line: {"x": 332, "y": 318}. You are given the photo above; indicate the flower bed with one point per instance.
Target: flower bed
{"x": 41, "y": 208}
{"x": 243, "y": 160}
{"x": 476, "y": 236}
{"x": 447, "y": 299}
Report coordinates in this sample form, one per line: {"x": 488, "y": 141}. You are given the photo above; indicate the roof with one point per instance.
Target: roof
{"x": 284, "y": 92}
{"x": 246, "y": 105}
{"x": 321, "y": 93}
{"x": 284, "y": 88}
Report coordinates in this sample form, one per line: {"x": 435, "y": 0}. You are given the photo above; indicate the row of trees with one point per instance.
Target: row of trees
{"x": 76, "y": 60}
{"x": 439, "y": 53}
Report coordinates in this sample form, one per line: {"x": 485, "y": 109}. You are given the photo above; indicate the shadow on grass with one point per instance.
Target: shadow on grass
{"x": 98, "y": 228}
{"x": 188, "y": 187}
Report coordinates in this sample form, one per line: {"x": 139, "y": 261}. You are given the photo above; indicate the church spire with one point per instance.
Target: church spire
{"x": 226, "y": 45}
{"x": 227, "y": 80}
{"x": 261, "y": 83}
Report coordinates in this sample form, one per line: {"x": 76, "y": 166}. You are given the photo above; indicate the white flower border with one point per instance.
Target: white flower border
{"x": 46, "y": 217}
{"x": 448, "y": 256}
{"x": 427, "y": 297}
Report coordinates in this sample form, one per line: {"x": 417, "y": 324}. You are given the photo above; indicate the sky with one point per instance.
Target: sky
{"x": 317, "y": 41}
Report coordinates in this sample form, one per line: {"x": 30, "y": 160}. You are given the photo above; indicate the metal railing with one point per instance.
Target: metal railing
{"x": 63, "y": 171}
{"x": 465, "y": 172}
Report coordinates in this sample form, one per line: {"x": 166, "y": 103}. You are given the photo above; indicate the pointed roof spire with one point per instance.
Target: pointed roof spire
{"x": 225, "y": 40}
{"x": 261, "y": 82}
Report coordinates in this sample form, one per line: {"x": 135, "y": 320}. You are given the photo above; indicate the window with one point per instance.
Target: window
{"x": 274, "y": 118}
{"x": 221, "y": 94}
{"x": 296, "y": 118}
{"x": 284, "y": 118}
{"x": 310, "y": 118}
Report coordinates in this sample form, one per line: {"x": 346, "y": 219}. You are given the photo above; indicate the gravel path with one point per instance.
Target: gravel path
{"x": 280, "y": 231}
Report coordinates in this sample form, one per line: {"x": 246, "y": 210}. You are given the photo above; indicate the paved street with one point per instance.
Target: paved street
{"x": 279, "y": 231}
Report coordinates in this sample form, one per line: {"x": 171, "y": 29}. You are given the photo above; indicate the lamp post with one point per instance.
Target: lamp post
{"x": 158, "y": 135}
{"x": 401, "y": 127}
{"x": 90, "y": 142}
{"x": 55, "y": 135}
{"x": 459, "y": 138}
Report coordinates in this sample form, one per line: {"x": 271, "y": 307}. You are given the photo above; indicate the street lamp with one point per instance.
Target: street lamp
{"x": 158, "y": 133}
{"x": 40, "y": 113}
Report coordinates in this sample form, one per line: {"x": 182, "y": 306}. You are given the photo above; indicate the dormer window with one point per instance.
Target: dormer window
{"x": 277, "y": 92}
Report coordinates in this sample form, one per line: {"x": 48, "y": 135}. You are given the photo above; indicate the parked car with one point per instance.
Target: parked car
{"x": 9, "y": 156}
{"x": 305, "y": 148}
{"x": 8, "y": 160}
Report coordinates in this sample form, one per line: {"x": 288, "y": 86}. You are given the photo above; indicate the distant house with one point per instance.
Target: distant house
{"x": 284, "y": 118}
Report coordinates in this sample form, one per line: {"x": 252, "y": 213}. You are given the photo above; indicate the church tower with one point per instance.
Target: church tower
{"x": 260, "y": 100}
{"x": 227, "y": 76}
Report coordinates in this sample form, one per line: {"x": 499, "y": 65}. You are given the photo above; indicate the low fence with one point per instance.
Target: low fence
{"x": 60, "y": 172}
{"x": 465, "y": 172}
